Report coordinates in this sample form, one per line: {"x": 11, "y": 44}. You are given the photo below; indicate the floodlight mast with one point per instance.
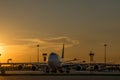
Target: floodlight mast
{"x": 38, "y": 53}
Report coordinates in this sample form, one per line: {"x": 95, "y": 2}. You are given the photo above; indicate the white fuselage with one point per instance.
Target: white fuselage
{"x": 54, "y": 61}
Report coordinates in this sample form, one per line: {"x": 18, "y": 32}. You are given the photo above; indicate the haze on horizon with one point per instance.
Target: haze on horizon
{"x": 82, "y": 25}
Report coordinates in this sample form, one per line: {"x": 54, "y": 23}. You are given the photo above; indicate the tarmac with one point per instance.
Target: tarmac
{"x": 76, "y": 73}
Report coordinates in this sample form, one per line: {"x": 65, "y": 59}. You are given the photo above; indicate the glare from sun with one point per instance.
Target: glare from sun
{"x": 1, "y": 49}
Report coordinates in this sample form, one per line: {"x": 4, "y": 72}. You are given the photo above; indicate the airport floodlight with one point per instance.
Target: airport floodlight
{"x": 38, "y": 53}
{"x": 105, "y": 45}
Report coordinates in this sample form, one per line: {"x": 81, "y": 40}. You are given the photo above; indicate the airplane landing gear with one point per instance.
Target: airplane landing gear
{"x": 67, "y": 70}
{"x": 61, "y": 71}
{"x": 47, "y": 70}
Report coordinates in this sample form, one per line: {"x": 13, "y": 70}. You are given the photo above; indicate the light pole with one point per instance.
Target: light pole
{"x": 105, "y": 45}
{"x": 38, "y": 53}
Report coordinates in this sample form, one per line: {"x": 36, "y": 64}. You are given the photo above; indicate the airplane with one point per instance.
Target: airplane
{"x": 57, "y": 63}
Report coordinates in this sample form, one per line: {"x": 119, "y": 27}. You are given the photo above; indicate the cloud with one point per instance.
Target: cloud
{"x": 63, "y": 40}
{"x": 53, "y": 42}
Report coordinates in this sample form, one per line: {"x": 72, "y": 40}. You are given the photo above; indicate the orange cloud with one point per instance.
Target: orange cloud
{"x": 53, "y": 42}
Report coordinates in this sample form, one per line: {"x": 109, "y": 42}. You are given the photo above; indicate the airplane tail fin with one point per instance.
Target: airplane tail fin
{"x": 62, "y": 52}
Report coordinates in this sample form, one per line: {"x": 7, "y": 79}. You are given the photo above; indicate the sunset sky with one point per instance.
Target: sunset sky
{"x": 82, "y": 25}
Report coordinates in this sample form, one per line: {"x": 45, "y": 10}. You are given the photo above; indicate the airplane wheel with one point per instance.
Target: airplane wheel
{"x": 47, "y": 70}
{"x": 54, "y": 71}
{"x": 67, "y": 71}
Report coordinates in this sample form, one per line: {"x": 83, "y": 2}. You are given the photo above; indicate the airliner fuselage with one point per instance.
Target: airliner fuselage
{"x": 54, "y": 62}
